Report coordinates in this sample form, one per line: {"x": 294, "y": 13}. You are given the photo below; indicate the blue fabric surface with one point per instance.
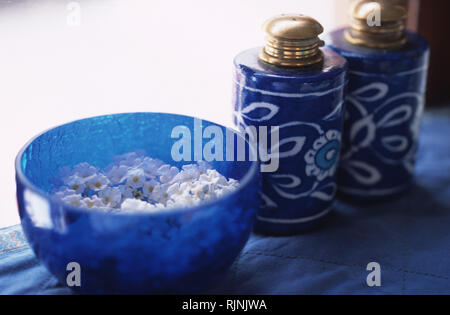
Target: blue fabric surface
{"x": 409, "y": 237}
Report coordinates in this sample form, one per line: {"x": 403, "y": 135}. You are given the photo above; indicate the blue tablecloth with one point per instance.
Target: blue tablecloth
{"x": 409, "y": 238}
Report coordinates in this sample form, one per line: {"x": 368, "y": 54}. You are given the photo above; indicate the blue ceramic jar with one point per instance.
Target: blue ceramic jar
{"x": 385, "y": 101}
{"x": 307, "y": 105}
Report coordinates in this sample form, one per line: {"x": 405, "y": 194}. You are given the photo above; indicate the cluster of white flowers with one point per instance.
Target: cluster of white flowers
{"x": 134, "y": 182}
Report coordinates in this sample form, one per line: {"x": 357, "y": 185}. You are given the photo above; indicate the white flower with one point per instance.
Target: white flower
{"x": 159, "y": 194}
{"x": 216, "y": 178}
{"x": 116, "y": 173}
{"x": 96, "y": 182}
{"x": 149, "y": 187}
{"x": 167, "y": 173}
{"x": 76, "y": 183}
{"x": 72, "y": 199}
{"x": 111, "y": 196}
{"x": 150, "y": 166}
{"x": 85, "y": 170}
{"x": 322, "y": 159}
{"x": 174, "y": 189}
{"x": 136, "y": 205}
{"x": 181, "y": 201}
{"x": 192, "y": 170}
{"x": 203, "y": 166}
{"x": 129, "y": 159}
{"x": 135, "y": 178}
{"x": 93, "y": 202}
{"x": 126, "y": 192}
{"x": 63, "y": 191}
{"x": 189, "y": 173}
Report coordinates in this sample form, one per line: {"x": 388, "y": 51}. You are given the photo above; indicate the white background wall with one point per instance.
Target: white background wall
{"x": 126, "y": 55}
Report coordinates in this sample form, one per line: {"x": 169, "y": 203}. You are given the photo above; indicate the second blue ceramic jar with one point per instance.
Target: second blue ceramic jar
{"x": 387, "y": 80}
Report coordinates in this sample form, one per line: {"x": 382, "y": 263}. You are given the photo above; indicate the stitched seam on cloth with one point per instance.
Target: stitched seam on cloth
{"x": 343, "y": 264}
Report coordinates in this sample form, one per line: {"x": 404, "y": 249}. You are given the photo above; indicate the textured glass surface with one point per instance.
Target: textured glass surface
{"x": 178, "y": 251}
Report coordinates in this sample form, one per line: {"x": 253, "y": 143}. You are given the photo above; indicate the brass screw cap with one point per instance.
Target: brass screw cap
{"x": 292, "y": 41}
{"x": 377, "y": 24}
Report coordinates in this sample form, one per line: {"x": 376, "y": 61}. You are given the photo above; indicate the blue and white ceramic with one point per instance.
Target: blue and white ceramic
{"x": 385, "y": 101}
{"x": 308, "y": 107}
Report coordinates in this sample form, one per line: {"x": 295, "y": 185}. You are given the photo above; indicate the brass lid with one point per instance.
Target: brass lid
{"x": 292, "y": 41}
{"x": 377, "y": 24}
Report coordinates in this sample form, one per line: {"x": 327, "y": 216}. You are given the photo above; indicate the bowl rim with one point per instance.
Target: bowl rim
{"x": 244, "y": 182}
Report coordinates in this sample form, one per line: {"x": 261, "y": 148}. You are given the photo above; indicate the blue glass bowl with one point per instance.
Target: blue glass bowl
{"x": 179, "y": 251}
